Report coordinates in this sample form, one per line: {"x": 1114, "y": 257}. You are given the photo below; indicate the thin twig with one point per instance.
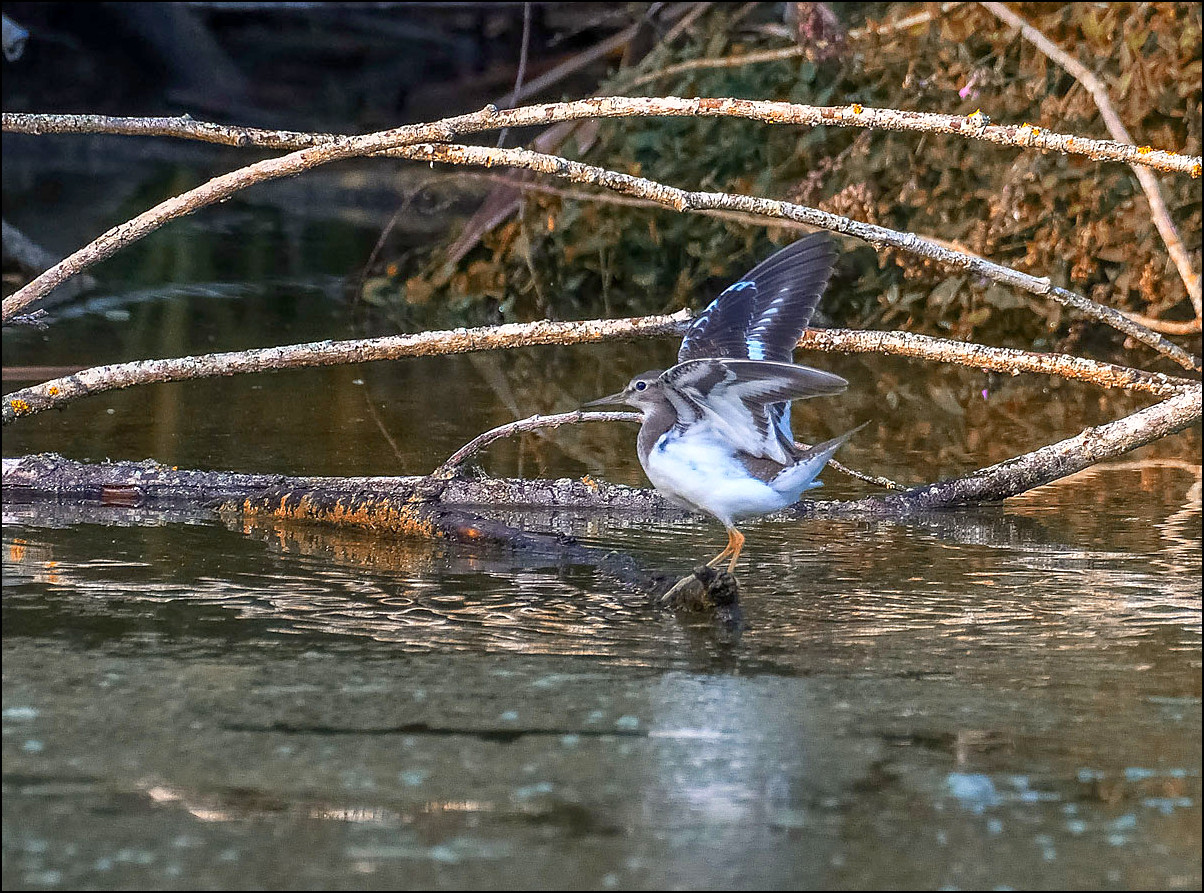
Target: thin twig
{"x": 1166, "y": 326}
{"x": 380, "y": 424}
{"x": 793, "y": 51}
{"x": 522, "y": 67}
{"x": 536, "y": 422}
{"x": 876, "y": 479}
{"x": 1149, "y": 183}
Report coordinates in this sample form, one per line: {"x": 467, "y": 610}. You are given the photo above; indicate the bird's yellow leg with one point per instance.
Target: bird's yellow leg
{"x": 735, "y": 542}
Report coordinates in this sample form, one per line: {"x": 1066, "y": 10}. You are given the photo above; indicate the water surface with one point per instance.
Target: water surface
{"x": 997, "y": 698}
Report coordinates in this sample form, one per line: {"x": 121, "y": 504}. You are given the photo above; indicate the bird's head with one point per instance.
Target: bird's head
{"x": 644, "y": 391}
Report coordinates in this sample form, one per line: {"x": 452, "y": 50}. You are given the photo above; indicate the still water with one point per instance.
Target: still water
{"x": 1005, "y": 698}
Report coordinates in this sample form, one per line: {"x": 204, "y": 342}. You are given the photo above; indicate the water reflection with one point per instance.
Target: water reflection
{"x": 997, "y": 574}
{"x": 975, "y": 699}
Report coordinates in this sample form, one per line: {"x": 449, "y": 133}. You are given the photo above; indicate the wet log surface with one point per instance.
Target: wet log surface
{"x": 416, "y": 507}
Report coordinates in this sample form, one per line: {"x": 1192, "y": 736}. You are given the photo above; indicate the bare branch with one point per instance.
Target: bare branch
{"x": 99, "y": 379}
{"x": 1166, "y": 326}
{"x": 669, "y": 196}
{"x": 1040, "y": 467}
{"x": 1161, "y": 215}
{"x": 61, "y": 391}
{"x": 976, "y": 126}
{"x": 682, "y": 200}
{"x": 387, "y": 502}
{"x": 992, "y": 359}
{"x": 319, "y": 151}
{"x": 394, "y": 142}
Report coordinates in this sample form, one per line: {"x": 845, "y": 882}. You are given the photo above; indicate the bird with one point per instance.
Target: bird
{"x": 715, "y": 433}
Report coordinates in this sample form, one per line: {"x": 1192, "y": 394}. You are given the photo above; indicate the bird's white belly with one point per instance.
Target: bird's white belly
{"x": 709, "y": 477}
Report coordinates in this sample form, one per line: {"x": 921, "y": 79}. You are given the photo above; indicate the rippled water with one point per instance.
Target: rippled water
{"x": 1004, "y": 699}
{"x": 990, "y": 699}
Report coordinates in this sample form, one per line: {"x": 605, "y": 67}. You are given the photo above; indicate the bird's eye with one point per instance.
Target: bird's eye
{"x": 641, "y": 385}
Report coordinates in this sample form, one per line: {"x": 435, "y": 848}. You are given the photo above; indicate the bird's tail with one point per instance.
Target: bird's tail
{"x": 795, "y": 479}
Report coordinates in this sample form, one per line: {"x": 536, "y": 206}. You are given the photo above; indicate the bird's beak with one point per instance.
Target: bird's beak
{"x": 619, "y": 399}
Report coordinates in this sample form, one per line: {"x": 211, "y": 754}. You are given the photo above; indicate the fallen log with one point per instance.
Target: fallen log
{"x": 413, "y": 507}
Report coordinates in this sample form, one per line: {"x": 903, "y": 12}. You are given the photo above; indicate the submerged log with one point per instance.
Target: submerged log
{"x": 411, "y": 507}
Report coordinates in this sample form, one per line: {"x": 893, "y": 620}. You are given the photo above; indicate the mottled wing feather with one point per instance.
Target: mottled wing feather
{"x": 788, "y": 291}
{"x": 762, "y": 316}
{"x": 719, "y": 330}
{"x": 736, "y": 397}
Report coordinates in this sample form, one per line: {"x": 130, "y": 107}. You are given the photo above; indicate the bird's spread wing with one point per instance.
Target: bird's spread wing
{"x": 737, "y": 397}
{"x": 762, "y": 316}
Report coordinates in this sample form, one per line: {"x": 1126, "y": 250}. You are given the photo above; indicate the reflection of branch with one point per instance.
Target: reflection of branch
{"x": 1094, "y": 86}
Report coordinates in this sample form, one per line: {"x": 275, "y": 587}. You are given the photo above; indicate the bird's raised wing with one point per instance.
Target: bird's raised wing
{"x": 762, "y": 316}
{"x": 737, "y": 397}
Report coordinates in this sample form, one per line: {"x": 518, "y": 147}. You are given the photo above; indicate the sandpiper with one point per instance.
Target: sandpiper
{"x": 715, "y": 434}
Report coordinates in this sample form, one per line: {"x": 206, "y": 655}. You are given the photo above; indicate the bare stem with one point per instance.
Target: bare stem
{"x": 323, "y": 149}
{"x": 61, "y": 391}
{"x": 534, "y": 423}
{"x": 682, "y": 200}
